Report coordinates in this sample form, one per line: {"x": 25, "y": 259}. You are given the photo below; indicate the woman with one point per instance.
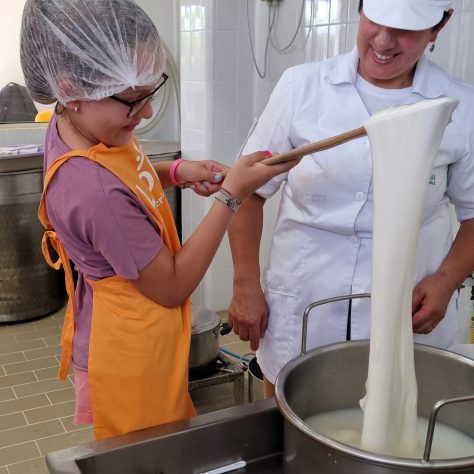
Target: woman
{"x": 322, "y": 241}
{"x": 127, "y": 324}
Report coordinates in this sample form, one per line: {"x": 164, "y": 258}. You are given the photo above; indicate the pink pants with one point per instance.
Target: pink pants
{"x": 83, "y": 411}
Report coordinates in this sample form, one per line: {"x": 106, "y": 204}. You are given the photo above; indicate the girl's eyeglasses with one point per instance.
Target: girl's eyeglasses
{"x": 137, "y": 105}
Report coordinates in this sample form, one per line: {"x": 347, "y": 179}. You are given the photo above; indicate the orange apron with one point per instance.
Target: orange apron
{"x": 138, "y": 349}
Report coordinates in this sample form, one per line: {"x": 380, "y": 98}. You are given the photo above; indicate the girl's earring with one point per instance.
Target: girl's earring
{"x": 431, "y": 47}
{"x": 76, "y": 109}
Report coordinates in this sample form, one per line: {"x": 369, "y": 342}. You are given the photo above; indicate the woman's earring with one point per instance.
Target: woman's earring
{"x": 76, "y": 108}
{"x": 431, "y": 47}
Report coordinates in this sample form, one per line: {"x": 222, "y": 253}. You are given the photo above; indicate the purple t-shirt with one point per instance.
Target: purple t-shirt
{"x": 104, "y": 227}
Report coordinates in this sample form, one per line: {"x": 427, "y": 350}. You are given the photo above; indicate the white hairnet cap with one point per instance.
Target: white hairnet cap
{"x": 412, "y": 15}
{"x": 87, "y": 49}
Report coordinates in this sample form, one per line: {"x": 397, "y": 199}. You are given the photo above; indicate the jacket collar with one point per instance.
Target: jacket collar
{"x": 344, "y": 71}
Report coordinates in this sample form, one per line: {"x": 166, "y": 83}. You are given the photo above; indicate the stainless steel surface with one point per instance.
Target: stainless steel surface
{"x": 205, "y": 330}
{"x": 320, "y": 303}
{"x": 432, "y": 421}
{"x": 333, "y": 377}
{"x": 28, "y": 286}
{"x": 251, "y": 432}
{"x": 23, "y": 162}
{"x": 160, "y": 147}
{"x": 222, "y": 370}
{"x": 255, "y": 377}
{"x": 204, "y": 347}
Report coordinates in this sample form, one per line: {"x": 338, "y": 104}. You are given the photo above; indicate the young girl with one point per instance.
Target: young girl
{"x": 127, "y": 324}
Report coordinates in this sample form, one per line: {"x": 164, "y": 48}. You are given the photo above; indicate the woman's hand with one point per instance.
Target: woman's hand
{"x": 430, "y": 301}
{"x": 204, "y": 177}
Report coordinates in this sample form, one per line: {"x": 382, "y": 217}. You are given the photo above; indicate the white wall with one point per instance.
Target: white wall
{"x": 10, "y": 70}
{"x": 222, "y": 92}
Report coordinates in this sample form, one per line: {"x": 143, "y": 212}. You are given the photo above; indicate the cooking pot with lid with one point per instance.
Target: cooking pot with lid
{"x": 333, "y": 377}
{"x": 205, "y": 330}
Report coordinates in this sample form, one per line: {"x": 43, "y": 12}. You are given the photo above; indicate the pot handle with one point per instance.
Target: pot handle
{"x": 225, "y": 329}
{"x": 320, "y": 303}
{"x": 431, "y": 425}
{"x": 244, "y": 362}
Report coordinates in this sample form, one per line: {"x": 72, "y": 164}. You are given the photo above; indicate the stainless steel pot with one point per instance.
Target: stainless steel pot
{"x": 333, "y": 377}
{"x": 28, "y": 286}
{"x": 206, "y": 327}
{"x": 255, "y": 377}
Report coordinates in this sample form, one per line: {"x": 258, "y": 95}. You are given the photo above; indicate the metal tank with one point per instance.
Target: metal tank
{"x": 333, "y": 377}
{"x": 28, "y": 286}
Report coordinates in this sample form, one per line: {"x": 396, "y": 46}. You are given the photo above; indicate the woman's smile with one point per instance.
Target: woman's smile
{"x": 381, "y": 58}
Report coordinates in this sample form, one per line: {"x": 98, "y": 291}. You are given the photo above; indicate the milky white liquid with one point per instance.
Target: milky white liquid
{"x": 404, "y": 142}
{"x": 346, "y": 426}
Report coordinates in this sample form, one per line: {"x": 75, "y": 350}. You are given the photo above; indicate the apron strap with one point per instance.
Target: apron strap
{"x": 68, "y": 327}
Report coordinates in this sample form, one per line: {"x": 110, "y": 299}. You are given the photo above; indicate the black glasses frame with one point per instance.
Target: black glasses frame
{"x": 137, "y": 105}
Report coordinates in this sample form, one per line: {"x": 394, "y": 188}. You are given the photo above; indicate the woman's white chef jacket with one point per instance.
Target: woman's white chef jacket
{"x": 322, "y": 242}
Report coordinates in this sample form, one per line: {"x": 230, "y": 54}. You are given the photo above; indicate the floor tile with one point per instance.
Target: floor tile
{"x": 49, "y": 373}
{"x": 11, "y": 358}
{"x": 7, "y": 339}
{"x": 17, "y": 379}
{"x": 6, "y": 394}
{"x": 34, "y": 466}
{"x": 30, "y": 365}
{"x": 26, "y": 403}
{"x": 63, "y": 395}
{"x": 50, "y": 412}
{"x": 30, "y": 432}
{"x": 43, "y": 386}
{"x": 39, "y": 333}
{"x": 43, "y": 352}
{"x": 16, "y": 328}
{"x": 52, "y": 340}
{"x": 22, "y": 346}
{"x": 67, "y": 440}
{"x": 13, "y": 420}
{"x": 18, "y": 452}
{"x": 69, "y": 425}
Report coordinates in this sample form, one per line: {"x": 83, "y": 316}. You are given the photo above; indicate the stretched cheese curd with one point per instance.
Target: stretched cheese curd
{"x": 404, "y": 142}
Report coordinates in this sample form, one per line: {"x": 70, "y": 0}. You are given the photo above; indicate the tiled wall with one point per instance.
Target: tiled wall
{"x": 222, "y": 92}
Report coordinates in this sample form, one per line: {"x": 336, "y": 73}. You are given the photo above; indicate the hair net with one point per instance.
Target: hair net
{"x": 87, "y": 49}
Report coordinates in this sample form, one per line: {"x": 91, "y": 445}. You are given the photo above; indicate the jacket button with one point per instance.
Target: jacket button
{"x": 360, "y": 196}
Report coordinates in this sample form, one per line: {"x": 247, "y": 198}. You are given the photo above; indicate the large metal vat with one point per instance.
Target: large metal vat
{"x": 333, "y": 377}
{"x": 28, "y": 286}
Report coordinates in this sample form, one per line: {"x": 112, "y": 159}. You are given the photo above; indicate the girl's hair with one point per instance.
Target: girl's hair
{"x": 434, "y": 28}
{"x": 87, "y": 49}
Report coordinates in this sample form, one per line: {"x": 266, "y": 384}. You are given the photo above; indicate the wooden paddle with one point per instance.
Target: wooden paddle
{"x": 298, "y": 153}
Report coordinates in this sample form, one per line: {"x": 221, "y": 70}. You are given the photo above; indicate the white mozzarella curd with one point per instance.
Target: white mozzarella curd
{"x": 346, "y": 426}
{"x": 404, "y": 142}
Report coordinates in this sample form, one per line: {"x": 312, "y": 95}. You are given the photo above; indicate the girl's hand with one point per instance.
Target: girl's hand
{"x": 204, "y": 177}
{"x": 248, "y": 174}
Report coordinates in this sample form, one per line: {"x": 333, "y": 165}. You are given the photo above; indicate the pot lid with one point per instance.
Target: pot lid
{"x": 204, "y": 319}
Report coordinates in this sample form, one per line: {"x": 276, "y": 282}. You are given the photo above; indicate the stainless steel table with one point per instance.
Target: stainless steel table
{"x": 252, "y": 432}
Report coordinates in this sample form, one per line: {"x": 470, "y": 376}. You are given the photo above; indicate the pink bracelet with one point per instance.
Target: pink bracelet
{"x": 172, "y": 173}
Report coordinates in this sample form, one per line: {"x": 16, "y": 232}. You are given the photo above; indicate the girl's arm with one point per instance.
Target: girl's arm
{"x": 170, "y": 279}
